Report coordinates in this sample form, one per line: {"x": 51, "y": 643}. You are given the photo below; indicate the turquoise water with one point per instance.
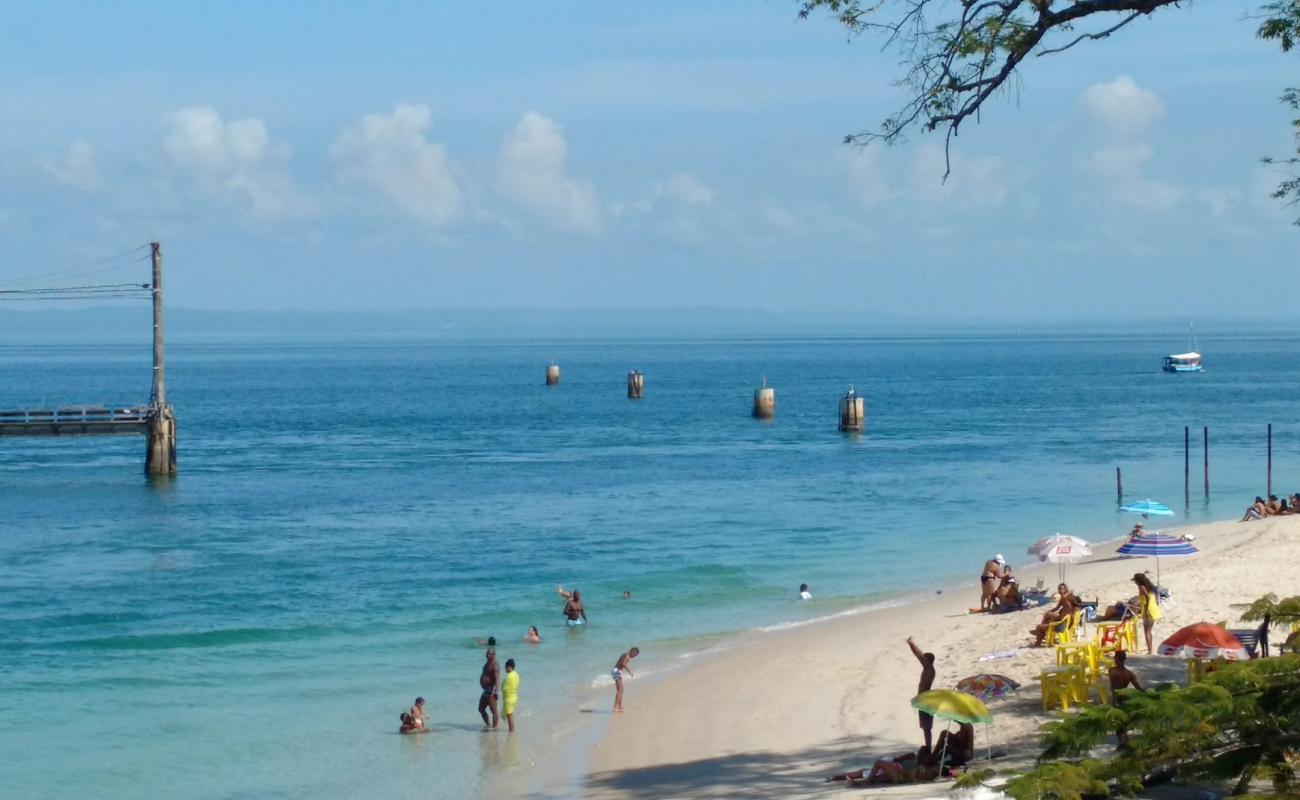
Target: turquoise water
{"x": 351, "y": 516}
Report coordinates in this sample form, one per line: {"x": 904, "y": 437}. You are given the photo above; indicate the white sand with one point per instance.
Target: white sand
{"x": 772, "y": 718}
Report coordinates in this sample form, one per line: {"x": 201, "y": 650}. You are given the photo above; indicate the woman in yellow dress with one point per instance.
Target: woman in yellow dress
{"x": 1148, "y": 606}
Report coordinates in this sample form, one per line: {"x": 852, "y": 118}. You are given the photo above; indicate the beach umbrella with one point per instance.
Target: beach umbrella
{"x": 1060, "y": 550}
{"x": 1158, "y": 545}
{"x": 1148, "y": 507}
{"x": 954, "y": 706}
{"x": 1203, "y": 640}
{"x": 987, "y": 687}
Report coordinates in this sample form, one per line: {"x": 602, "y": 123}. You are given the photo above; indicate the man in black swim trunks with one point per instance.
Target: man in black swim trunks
{"x": 488, "y": 681}
{"x": 1121, "y": 677}
{"x": 924, "y": 685}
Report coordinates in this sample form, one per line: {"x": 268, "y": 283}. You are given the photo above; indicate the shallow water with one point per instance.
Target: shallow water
{"x": 351, "y": 516}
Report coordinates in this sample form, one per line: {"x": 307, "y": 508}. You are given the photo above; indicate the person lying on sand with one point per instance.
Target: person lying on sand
{"x": 1065, "y": 606}
{"x": 917, "y": 767}
{"x": 1117, "y": 612}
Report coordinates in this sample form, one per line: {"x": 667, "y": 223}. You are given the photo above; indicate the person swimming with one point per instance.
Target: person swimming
{"x": 804, "y": 594}
{"x": 533, "y": 637}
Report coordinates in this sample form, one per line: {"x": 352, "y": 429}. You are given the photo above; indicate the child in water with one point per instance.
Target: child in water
{"x": 510, "y": 693}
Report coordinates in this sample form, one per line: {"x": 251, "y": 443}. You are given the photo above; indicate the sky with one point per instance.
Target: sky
{"x": 560, "y": 155}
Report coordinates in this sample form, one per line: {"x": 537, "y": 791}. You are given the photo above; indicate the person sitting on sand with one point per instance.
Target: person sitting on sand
{"x": 956, "y": 748}
{"x": 1137, "y": 531}
{"x": 1273, "y": 505}
{"x": 1256, "y": 510}
{"x": 533, "y": 637}
{"x": 989, "y": 580}
{"x": 1007, "y": 597}
{"x": 908, "y": 768}
{"x": 1061, "y": 612}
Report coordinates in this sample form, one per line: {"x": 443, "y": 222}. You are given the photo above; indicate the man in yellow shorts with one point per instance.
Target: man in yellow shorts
{"x": 510, "y": 693}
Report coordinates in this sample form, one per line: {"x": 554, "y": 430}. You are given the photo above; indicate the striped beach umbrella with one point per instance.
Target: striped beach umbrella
{"x": 1148, "y": 507}
{"x": 1157, "y": 545}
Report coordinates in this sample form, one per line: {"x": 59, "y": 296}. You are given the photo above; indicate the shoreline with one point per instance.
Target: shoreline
{"x": 781, "y": 706}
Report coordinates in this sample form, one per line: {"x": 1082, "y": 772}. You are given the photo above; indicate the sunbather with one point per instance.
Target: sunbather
{"x": 956, "y": 748}
{"x": 1007, "y": 597}
{"x": 1256, "y": 510}
{"x": 1060, "y": 613}
{"x": 907, "y": 768}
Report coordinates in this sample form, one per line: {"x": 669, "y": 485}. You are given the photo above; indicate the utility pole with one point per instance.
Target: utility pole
{"x": 159, "y": 393}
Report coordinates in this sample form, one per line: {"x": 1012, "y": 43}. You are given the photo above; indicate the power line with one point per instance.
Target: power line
{"x": 99, "y": 265}
{"x": 102, "y": 287}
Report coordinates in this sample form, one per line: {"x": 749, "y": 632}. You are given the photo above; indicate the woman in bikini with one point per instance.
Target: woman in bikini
{"x": 989, "y": 580}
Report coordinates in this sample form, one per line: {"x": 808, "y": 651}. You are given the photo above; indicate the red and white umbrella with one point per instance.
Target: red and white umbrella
{"x": 1203, "y": 640}
{"x": 1060, "y": 550}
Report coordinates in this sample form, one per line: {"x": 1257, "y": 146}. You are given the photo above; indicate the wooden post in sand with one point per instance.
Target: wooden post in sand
{"x": 1119, "y": 488}
{"x": 635, "y": 385}
{"x": 1187, "y": 466}
{"x": 1205, "y": 448}
{"x": 553, "y": 375}
{"x": 853, "y": 412}
{"x": 1269, "y": 493}
{"x": 764, "y": 401}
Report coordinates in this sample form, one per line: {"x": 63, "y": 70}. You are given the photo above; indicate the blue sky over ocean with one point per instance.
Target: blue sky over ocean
{"x": 341, "y": 156}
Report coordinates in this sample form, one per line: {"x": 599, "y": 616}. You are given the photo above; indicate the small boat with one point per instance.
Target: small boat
{"x": 1185, "y": 362}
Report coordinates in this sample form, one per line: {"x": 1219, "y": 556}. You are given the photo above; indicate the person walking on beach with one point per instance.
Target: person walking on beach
{"x": 989, "y": 580}
{"x": 510, "y": 694}
{"x": 488, "y": 680}
{"x": 574, "y": 613}
{"x": 1148, "y": 605}
{"x": 622, "y": 665}
{"x": 924, "y": 685}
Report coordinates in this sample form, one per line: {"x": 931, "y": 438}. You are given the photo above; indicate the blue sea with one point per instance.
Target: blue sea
{"x": 353, "y": 514}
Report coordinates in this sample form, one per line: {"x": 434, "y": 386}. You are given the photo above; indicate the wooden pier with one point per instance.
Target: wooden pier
{"x": 156, "y": 420}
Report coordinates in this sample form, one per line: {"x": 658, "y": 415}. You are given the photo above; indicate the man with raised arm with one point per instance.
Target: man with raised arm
{"x": 924, "y": 685}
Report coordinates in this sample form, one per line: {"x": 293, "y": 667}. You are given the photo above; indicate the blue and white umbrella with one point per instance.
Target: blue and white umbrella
{"x": 1148, "y": 507}
{"x": 1157, "y": 544}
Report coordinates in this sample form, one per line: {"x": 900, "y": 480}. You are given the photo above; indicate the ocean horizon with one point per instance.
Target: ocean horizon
{"x": 353, "y": 513}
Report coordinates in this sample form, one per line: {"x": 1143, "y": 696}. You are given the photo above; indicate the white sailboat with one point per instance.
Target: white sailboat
{"x": 1185, "y": 362}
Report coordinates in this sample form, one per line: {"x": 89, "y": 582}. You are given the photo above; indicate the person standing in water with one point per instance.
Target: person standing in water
{"x": 510, "y": 694}
{"x": 488, "y": 680}
{"x": 418, "y": 715}
{"x": 924, "y": 685}
{"x": 622, "y": 665}
{"x": 574, "y": 613}
{"x": 804, "y": 594}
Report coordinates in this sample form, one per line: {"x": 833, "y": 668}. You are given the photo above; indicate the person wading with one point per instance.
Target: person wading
{"x": 488, "y": 680}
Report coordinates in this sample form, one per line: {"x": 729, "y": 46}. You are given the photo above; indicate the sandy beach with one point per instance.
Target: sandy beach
{"x": 773, "y": 716}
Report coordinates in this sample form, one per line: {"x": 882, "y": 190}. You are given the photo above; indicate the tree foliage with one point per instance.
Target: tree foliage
{"x": 1239, "y": 726}
{"x": 956, "y": 55}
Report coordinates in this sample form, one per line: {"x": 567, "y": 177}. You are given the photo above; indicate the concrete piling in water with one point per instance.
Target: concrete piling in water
{"x": 160, "y": 443}
{"x": 635, "y": 385}
{"x": 553, "y": 375}
{"x": 764, "y": 401}
{"x": 853, "y": 412}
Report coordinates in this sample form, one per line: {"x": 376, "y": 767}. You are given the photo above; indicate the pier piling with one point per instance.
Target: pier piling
{"x": 553, "y": 375}
{"x": 1269, "y": 492}
{"x": 635, "y": 385}
{"x": 1119, "y": 488}
{"x": 1187, "y": 466}
{"x": 853, "y": 412}
{"x": 1205, "y": 449}
{"x": 764, "y": 401}
{"x": 160, "y": 438}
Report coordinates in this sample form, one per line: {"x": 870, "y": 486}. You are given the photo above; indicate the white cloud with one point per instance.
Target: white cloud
{"x": 977, "y": 178}
{"x": 236, "y": 158}
{"x": 678, "y": 192}
{"x": 1123, "y": 105}
{"x": 532, "y": 172}
{"x": 392, "y": 155}
{"x": 1123, "y": 167}
{"x": 75, "y": 168}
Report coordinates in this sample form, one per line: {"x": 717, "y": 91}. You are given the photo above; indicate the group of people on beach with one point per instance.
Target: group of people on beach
{"x": 1273, "y": 507}
{"x": 495, "y": 689}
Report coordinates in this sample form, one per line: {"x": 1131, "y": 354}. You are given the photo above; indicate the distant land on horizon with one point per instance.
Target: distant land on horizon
{"x": 112, "y": 324}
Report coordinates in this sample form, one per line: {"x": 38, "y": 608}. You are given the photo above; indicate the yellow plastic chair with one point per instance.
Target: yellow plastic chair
{"x": 1061, "y": 687}
{"x": 1085, "y": 655}
{"x": 1064, "y": 631}
{"x": 1101, "y": 685}
{"x": 1131, "y": 632}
